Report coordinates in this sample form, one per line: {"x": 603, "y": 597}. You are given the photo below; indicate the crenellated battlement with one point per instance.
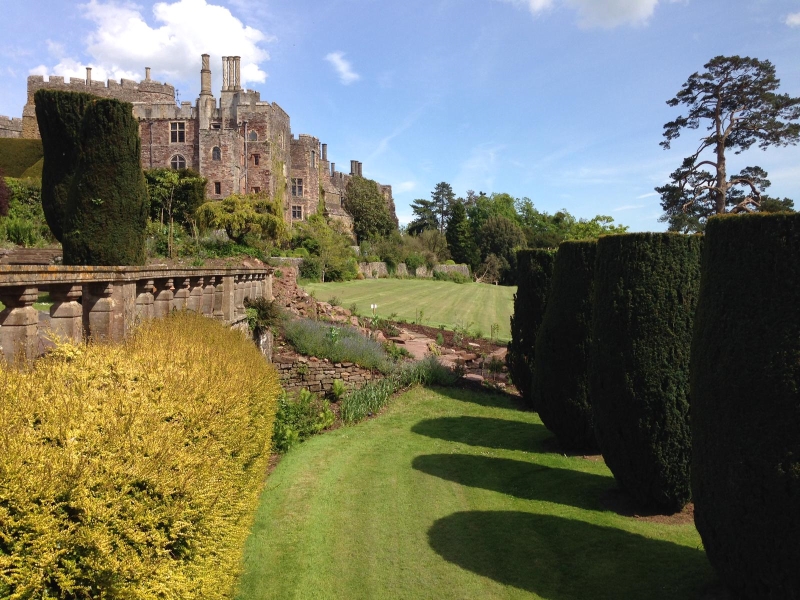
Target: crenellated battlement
{"x": 10, "y": 127}
{"x": 124, "y": 89}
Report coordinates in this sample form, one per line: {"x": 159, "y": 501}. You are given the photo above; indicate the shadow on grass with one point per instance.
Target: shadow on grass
{"x": 564, "y": 559}
{"x": 484, "y": 431}
{"x": 518, "y": 478}
{"x": 476, "y": 394}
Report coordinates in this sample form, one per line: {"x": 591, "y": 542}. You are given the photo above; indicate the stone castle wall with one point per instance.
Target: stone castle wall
{"x": 10, "y": 127}
{"x": 318, "y": 375}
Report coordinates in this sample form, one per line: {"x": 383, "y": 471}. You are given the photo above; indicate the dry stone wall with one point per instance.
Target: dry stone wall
{"x": 317, "y": 375}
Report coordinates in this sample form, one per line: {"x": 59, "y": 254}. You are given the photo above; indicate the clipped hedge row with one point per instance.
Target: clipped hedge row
{"x": 534, "y": 271}
{"x": 561, "y": 379}
{"x": 19, "y": 155}
{"x": 745, "y": 386}
{"x": 646, "y": 287}
{"x": 133, "y": 470}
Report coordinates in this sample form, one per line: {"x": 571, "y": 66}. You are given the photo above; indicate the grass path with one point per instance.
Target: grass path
{"x": 450, "y": 494}
{"x": 442, "y": 302}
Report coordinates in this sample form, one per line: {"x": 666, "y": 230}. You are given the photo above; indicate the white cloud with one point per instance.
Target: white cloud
{"x": 627, "y": 207}
{"x": 648, "y": 195}
{"x": 123, "y": 43}
{"x": 793, "y": 20}
{"x": 479, "y": 170}
{"x": 598, "y": 13}
{"x": 343, "y": 68}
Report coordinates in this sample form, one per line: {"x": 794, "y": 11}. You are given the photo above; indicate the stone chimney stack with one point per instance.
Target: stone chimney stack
{"x": 237, "y": 75}
{"x": 88, "y": 75}
{"x": 353, "y": 167}
{"x": 205, "y": 76}
{"x": 225, "y": 74}
{"x": 360, "y": 173}
{"x": 147, "y": 73}
{"x": 333, "y": 169}
{"x": 324, "y": 151}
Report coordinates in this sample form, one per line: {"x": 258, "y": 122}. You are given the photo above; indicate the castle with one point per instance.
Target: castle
{"x": 239, "y": 144}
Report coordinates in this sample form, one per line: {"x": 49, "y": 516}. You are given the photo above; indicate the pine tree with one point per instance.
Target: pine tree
{"x": 462, "y": 245}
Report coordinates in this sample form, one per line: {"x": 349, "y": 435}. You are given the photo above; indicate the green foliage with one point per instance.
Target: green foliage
{"x": 460, "y": 238}
{"x": 106, "y": 212}
{"x": 646, "y": 287}
{"x": 374, "y": 395}
{"x": 24, "y": 224}
{"x": 133, "y": 471}
{"x": 298, "y": 419}
{"x": 535, "y": 271}
{"x": 745, "y": 376}
{"x": 19, "y": 155}
{"x": 60, "y": 117}
{"x": 338, "y": 389}
{"x": 34, "y": 171}
{"x": 338, "y": 344}
{"x": 262, "y": 314}
{"x": 503, "y": 238}
{"x": 241, "y": 215}
{"x": 331, "y": 257}
{"x": 5, "y": 195}
{"x": 453, "y": 276}
{"x": 175, "y": 194}
{"x": 365, "y": 203}
{"x": 736, "y": 101}
{"x": 425, "y": 217}
{"x": 560, "y": 386}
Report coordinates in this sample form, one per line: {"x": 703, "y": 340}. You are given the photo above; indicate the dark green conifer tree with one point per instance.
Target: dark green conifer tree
{"x": 460, "y": 241}
{"x": 107, "y": 203}
{"x": 59, "y": 115}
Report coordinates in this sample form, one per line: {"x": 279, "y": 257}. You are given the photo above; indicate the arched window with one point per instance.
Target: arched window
{"x": 253, "y": 136}
{"x": 216, "y": 153}
{"x": 178, "y": 162}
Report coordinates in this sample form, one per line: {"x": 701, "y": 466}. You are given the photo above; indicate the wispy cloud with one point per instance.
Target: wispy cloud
{"x": 597, "y": 13}
{"x": 648, "y": 195}
{"x": 405, "y": 186}
{"x": 383, "y": 145}
{"x": 343, "y": 68}
{"x": 628, "y": 207}
{"x": 793, "y": 20}
{"x": 478, "y": 171}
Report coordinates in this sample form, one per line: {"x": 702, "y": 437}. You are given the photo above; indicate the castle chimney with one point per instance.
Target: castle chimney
{"x": 324, "y": 151}
{"x": 88, "y": 75}
{"x": 333, "y": 169}
{"x": 360, "y": 173}
{"x": 225, "y": 74}
{"x": 353, "y": 167}
{"x": 237, "y": 79}
{"x": 147, "y": 73}
{"x": 205, "y": 76}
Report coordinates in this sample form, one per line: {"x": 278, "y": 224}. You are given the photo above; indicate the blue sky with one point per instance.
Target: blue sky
{"x": 562, "y": 101}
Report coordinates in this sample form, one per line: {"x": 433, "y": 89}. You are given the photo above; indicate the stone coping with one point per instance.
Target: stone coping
{"x": 42, "y": 275}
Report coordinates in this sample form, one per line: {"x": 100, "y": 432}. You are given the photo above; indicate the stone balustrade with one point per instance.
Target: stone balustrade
{"x": 106, "y": 302}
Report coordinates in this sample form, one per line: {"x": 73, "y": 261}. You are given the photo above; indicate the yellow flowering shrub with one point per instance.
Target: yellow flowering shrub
{"x": 133, "y": 470}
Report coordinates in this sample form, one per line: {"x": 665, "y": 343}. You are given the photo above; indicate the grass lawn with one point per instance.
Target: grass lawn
{"x": 442, "y": 302}
{"x": 452, "y": 494}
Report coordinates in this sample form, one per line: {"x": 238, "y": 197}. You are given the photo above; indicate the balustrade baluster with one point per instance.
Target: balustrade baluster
{"x": 66, "y": 313}
{"x": 19, "y": 322}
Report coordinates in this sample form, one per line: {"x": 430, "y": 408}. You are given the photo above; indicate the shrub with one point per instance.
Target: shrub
{"x": 560, "y": 385}
{"x": 106, "y": 212}
{"x": 241, "y": 215}
{"x": 299, "y": 418}
{"x": 60, "y": 118}
{"x": 453, "y": 276}
{"x": 262, "y": 314}
{"x": 745, "y": 376}
{"x": 311, "y": 268}
{"x": 18, "y": 155}
{"x": 133, "y": 471}
{"x": 5, "y": 195}
{"x": 338, "y": 344}
{"x": 535, "y": 269}
{"x": 646, "y": 287}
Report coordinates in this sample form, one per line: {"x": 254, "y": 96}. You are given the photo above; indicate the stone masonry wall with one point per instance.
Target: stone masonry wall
{"x": 10, "y": 128}
{"x": 318, "y": 375}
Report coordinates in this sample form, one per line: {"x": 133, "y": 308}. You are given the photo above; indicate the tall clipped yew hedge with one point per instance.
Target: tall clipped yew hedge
{"x": 59, "y": 115}
{"x": 534, "y": 271}
{"x": 561, "y": 379}
{"x": 107, "y": 203}
{"x": 745, "y": 385}
{"x": 646, "y": 287}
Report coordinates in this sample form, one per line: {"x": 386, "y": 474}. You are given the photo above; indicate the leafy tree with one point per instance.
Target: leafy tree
{"x": 59, "y": 115}
{"x": 736, "y": 99}
{"x": 365, "y": 202}
{"x": 240, "y": 215}
{"x": 425, "y": 217}
{"x": 174, "y": 193}
{"x": 106, "y": 211}
{"x": 460, "y": 240}
{"x": 329, "y": 246}
{"x": 482, "y": 207}
{"x": 442, "y": 197}
{"x": 502, "y": 237}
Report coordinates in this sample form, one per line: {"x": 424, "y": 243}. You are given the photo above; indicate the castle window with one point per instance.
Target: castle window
{"x": 256, "y": 190}
{"x": 218, "y": 188}
{"x": 177, "y": 162}
{"x": 313, "y": 160}
{"x": 297, "y": 212}
{"x": 297, "y": 187}
{"x": 216, "y": 153}
{"x": 256, "y": 159}
{"x": 253, "y": 136}
{"x": 177, "y": 133}
{"x": 216, "y": 126}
